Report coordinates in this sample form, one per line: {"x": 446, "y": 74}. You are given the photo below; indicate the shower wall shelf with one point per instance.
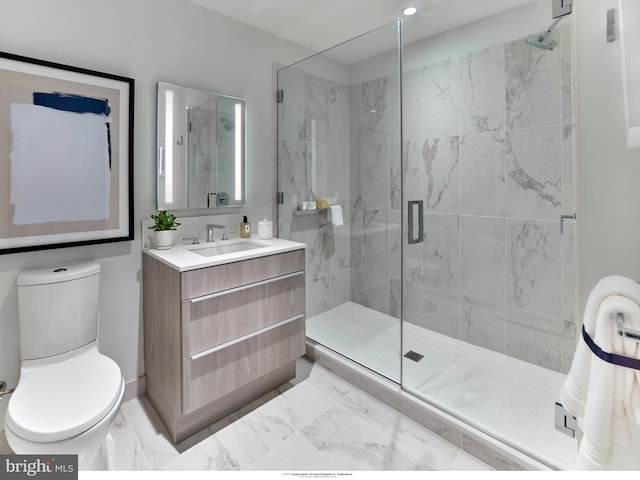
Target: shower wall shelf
{"x": 315, "y": 211}
{"x": 304, "y": 213}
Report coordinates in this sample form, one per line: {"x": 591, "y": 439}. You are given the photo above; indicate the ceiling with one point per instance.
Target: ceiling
{"x": 322, "y": 24}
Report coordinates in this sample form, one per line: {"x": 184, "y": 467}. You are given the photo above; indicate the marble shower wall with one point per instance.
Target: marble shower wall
{"x": 313, "y": 152}
{"x": 375, "y": 195}
{"x": 487, "y": 144}
{"x": 488, "y": 147}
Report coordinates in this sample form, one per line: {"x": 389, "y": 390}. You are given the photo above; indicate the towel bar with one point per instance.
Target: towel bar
{"x": 612, "y": 358}
{"x": 626, "y": 333}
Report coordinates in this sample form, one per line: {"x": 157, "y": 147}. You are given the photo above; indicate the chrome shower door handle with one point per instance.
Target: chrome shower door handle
{"x": 410, "y": 213}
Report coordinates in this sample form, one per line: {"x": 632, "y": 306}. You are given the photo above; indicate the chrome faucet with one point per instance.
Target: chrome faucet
{"x": 227, "y": 235}
{"x": 210, "y": 228}
{"x": 194, "y": 240}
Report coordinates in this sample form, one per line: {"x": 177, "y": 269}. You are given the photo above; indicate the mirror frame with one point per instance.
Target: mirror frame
{"x": 173, "y": 165}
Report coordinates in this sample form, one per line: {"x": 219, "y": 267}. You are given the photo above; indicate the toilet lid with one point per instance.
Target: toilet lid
{"x": 62, "y": 400}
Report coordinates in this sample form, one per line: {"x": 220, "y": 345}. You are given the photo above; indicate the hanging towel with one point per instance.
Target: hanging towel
{"x": 604, "y": 397}
{"x": 336, "y": 215}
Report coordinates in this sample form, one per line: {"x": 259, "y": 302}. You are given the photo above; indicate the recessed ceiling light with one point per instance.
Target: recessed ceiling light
{"x": 409, "y": 11}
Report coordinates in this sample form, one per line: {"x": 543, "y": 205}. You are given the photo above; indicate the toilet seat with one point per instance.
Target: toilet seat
{"x": 64, "y": 399}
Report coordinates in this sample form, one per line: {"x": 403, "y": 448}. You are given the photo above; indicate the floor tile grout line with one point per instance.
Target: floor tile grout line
{"x": 225, "y": 445}
{"x": 385, "y": 434}
{"x": 457, "y": 457}
{"x": 304, "y": 439}
{"x": 393, "y": 445}
{"x": 311, "y": 385}
{"x": 414, "y": 454}
{"x": 323, "y": 455}
{"x": 137, "y": 446}
{"x": 136, "y": 439}
{"x": 295, "y": 431}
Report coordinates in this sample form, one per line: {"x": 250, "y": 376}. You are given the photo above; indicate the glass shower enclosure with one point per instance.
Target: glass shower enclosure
{"x": 428, "y": 177}
{"x": 338, "y": 139}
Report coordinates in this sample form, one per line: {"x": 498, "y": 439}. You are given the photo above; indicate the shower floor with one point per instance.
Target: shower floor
{"x": 506, "y": 397}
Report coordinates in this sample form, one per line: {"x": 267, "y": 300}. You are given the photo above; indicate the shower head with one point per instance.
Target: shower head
{"x": 543, "y": 40}
{"x": 540, "y": 40}
{"x": 227, "y": 124}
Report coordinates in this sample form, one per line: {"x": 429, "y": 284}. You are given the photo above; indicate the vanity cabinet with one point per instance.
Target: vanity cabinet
{"x": 217, "y": 338}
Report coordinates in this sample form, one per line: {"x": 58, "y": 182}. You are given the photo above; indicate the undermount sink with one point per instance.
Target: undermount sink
{"x": 231, "y": 247}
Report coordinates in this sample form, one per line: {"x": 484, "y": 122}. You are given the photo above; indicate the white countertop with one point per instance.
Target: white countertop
{"x": 183, "y": 259}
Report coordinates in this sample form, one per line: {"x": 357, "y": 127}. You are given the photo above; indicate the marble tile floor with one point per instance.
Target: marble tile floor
{"x": 316, "y": 422}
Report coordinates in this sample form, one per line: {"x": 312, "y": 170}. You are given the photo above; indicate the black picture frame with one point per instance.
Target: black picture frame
{"x": 66, "y": 155}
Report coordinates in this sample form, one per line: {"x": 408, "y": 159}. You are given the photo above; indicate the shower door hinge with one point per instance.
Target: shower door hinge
{"x": 565, "y": 422}
{"x": 280, "y": 96}
{"x": 280, "y": 198}
{"x": 560, "y": 8}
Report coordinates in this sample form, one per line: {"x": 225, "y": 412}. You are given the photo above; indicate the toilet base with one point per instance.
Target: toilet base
{"x": 102, "y": 459}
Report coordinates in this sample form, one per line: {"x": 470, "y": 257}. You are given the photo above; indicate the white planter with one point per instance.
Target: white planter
{"x": 163, "y": 239}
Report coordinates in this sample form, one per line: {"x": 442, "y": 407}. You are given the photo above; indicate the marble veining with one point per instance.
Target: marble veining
{"x": 534, "y": 167}
{"x": 376, "y": 121}
{"x": 532, "y": 86}
{"x": 440, "y": 158}
{"x": 252, "y": 436}
{"x": 482, "y": 86}
{"x": 439, "y": 99}
{"x": 483, "y": 174}
{"x": 534, "y": 265}
{"x": 353, "y": 444}
{"x": 527, "y": 182}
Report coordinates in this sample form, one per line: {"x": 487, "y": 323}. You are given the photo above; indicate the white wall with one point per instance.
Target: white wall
{"x": 150, "y": 41}
{"x": 608, "y": 172}
{"x": 503, "y": 27}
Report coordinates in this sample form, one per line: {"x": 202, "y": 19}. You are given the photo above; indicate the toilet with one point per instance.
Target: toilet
{"x": 69, "y": 394}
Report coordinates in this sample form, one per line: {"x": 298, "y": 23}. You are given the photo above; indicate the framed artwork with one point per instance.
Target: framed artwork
{"x": 66, "y": 155}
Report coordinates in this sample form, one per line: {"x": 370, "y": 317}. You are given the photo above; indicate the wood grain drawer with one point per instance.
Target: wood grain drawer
{"x": 204, "y": 281}
{"x": 215, "y": 373}
{"x": 218, "y": 318}
{"x": 283, "y": 344}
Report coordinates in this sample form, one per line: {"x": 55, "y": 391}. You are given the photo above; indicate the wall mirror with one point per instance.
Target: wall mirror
{"x": 201, "y": 149}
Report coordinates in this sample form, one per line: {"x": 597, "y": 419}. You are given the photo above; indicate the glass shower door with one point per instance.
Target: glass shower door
{"x": 488, "y": 128}
{"x": 339, "y": 193}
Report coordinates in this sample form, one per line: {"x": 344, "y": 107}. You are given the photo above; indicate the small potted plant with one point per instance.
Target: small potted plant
{"x": 164, "y": 226}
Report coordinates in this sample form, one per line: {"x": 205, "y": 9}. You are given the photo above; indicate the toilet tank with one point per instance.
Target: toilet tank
{"x": 58, "y": 309}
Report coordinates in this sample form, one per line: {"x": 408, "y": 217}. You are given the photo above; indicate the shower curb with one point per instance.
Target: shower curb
{"x": 461, "y": 435}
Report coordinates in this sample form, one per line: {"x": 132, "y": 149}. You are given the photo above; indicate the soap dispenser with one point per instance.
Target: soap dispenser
{"x": 245, "y": 228}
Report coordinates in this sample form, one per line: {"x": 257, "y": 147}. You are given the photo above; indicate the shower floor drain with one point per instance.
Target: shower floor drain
{"x": 411, "y": 355}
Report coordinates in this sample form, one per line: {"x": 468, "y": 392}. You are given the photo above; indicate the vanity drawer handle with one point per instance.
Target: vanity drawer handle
{"x": 243, "y": 338}
{"x": 243, "y": 287}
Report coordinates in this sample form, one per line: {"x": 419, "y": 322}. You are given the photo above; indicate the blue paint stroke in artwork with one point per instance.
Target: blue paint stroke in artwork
{"x": 78, "y": 104}
{"x": 72, "y": 103}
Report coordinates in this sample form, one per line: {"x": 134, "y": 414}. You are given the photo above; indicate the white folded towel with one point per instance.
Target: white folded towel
{"x": 336, "y": 215}
{"x": 605, "y": 397}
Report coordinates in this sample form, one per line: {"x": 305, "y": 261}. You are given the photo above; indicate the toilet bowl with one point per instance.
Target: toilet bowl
{"x": 69, "y": 394}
